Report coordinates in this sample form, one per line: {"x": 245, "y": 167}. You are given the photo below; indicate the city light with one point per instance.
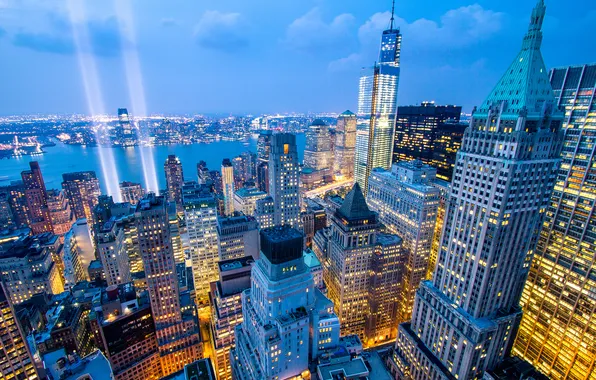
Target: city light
{"x": 93, "y": 93}
{"x": 136, "y": 89}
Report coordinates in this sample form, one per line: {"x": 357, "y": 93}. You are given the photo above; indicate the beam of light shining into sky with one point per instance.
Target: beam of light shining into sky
{"x": 136, "y": 89}
{"x": 93, "y": 93}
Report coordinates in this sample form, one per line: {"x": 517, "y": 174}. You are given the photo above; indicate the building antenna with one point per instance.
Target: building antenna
{"x": 392, "y": 14}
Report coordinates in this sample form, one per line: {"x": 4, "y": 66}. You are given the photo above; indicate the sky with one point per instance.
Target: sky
{"x": 264, "y": 56}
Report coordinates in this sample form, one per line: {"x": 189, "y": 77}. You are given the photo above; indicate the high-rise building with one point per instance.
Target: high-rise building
{"x": 265, "y": 212}
{"x": 37, "y": 199}
{"x": 280, "y": 310}
{"x": 174, "y": 179}
{"x": 557, "y": 334}
{"x": 345, "y": 146}
{"x": 200, "y": 210}
{"x": 447, "y": 142}
{"x": 61, "y": 216}
{"x": 71, "y": 261}
{"x": 407, "y": 203}
{"x": 178, "y": 337}
{"x": 226, "y": 313}
{"x": 317, "y": 152}
{"x": 82, "y": 191}
{"x": 111, "y": 248}
{"x": 27, "y": 267}
{"x": 443, "y": 187}
{"x": 124, "y": 330}
{"x": 237, "y": 236}
{"x": 284, "y": 179}
{"x": 377, "y": 101}
{"x": 131, "y": 192}
{"x": 464, "y": 321}
{"x": 244, "y": 168}
{"x": 124, "y": 121}
{"x": 17, "y": 203}
{"x": 16, "y": 361}
{"x": 351, "y": 256}
{"x": 245, "y": 200}
{"x": 262, "y": 165}
{"x": 227, "y": 177}
{"x": 361, "y": 155}
{"x": 7, "y": 220}
{"x": 417, "y": 134}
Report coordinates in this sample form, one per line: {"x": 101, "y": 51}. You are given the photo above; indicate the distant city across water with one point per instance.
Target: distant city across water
{"x": 64, "y": 158}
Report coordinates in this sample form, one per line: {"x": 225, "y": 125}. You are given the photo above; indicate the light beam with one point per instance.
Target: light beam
{"x": 136, "y": 89}
{"x": 93, "y": 93}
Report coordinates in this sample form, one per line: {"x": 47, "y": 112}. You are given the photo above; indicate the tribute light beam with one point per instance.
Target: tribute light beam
{"x": 93, "y": 93}
{"x": 136, "y": 89}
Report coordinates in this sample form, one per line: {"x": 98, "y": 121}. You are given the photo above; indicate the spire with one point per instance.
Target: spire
{"x": 533, "y": 39}
{"x": 392, "y": 15}
{"x": 525, "y": 84}
{"x": 354, "y": 206}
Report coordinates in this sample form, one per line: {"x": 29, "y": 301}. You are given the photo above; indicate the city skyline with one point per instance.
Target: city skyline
{"x": 325, "y": 42}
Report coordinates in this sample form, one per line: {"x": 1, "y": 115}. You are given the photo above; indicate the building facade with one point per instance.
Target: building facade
{"x": 237, "y": 236}
{"x": 407, "y": 204}
{"x": 556, "y": 334}
{"x": 131, "y": 192}
{"x": 82, "y": 191}
{"x": 421, "y": 131}
{"x": 37, "y": 199}
{"x": 284, "y": 173}
{"x": 317, "y": 152}
{"x": 464, "y": 321}
{"x": 177, "y": 332}
{"x": 174, "y": 179}
{"x": 345, "y": 146}
{"x": 200, "y": 210}
{"x": 111, "y": 248}
{"x": 227, "y": 177}
{"x": 377, "y": 102}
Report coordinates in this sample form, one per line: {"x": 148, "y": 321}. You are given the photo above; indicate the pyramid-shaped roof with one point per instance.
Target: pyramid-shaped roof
{"x": 525, "y": 85}
{"x": 354, "y": 206}
{"x": 347, "y": 113}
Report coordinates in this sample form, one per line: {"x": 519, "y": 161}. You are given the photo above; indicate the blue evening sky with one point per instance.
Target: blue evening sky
{"x": 258, "y": 56}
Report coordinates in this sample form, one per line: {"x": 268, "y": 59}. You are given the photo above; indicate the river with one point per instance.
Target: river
{"x": 64, "y": 158}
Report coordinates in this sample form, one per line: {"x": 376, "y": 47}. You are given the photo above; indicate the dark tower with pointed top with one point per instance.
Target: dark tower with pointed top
{"x": 465, "y": 319}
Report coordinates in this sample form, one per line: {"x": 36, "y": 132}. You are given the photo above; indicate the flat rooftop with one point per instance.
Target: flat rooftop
{"x": 232, "y": 264}
{"x": 355, "y": 368}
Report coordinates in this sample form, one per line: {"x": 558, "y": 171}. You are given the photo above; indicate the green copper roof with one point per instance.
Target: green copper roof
{"x": 347, "y": 113}
{"x": 525, "y": 84}
{"x": 354, "y": 205}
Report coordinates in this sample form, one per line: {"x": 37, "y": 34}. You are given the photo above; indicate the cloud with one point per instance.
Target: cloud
{"x": 221, "y": 31}
{"x": 312, "y": 34}
{"x": 457, "y": 29}
{"x": 104, "y": 37}
{"x": 168, "y": 22}
{"x": 44, "y": 42}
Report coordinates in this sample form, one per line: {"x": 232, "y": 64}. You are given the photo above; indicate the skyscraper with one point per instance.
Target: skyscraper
{"x": 407, "y": 204}
{"x": 278, "y": 312}
{"x": 262, "y": 166}
{"x": 226, "y": 314}
{"x": 111, "y": 247}
{"x": 353, "y": 270}
{"x": 200, "y": 211}
{"x": 227, "y": 177}
{"x": 37, "y": 199}
{"x": 284, "y": 179}
{"x": 82, "y": 191}
{"x": 59, "y": 212}
{"x": 464, "y": 321}
{"x": 237, "y": 236}
{"x": 345, "y": 146}
{"x": 317, "y": 152}
{"x": 244, "y": 168}
{"x": 557, "y": 334}
{"x": 377, "y": 101}
{"x": 16, "y": 361}
{"x": 177, "y": 331}
{"x": 421, "y": 131}
{"x": 174, "y": 179}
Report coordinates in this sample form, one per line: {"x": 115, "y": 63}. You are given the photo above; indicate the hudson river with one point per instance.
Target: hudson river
{"x": 72, "y": 158}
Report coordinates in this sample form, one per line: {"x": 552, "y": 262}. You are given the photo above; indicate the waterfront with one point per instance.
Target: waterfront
{"x": 71, "y": 158}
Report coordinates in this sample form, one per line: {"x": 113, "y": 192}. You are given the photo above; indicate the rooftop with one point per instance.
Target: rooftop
{"x": 310, "y": 259}
{"x": 199, "y": 370}
{"x": 388, "y": 239}
{"x": 353, "y": 369}
{"x": 71, "y": 367}
{"x": 354, "y": 206}
{"x": 228, "y": 265}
